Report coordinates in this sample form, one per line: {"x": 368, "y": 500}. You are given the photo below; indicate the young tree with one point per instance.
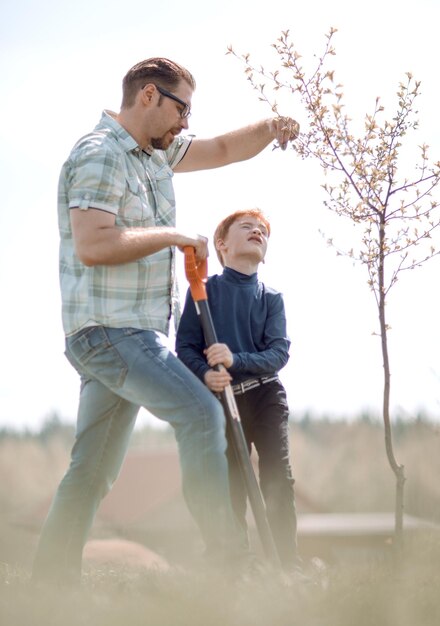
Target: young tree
{"x": 395, "y": 214}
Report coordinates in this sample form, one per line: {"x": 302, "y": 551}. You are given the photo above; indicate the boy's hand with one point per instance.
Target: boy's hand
{"x": 219, "y": 354}
{"x": 217, "y": 381}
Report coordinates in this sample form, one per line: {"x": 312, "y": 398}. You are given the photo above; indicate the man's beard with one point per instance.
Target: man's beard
{"x": 159, "y": 143}
{"x": 162, "y": 143}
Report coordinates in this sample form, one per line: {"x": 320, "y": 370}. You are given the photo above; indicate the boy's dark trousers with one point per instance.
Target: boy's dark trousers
{"x": 264, "y": 415}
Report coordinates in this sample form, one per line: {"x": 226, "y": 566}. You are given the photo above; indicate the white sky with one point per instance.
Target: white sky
{"x": 62, "y": 62}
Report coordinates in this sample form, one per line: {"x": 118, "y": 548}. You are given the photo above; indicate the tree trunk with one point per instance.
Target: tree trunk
{"x": 397, "y": 469}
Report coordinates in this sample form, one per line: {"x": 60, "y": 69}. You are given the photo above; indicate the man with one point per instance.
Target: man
{"x": 250, "y": 323}
{"x": 116, "y": 214}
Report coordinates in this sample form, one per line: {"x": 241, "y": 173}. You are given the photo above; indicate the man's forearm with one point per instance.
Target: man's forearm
{"x": 237, "y": 145}
{"x": 245, "y": 143}
{"x": 98, "y": 241}
{"x": 114, "y": 246}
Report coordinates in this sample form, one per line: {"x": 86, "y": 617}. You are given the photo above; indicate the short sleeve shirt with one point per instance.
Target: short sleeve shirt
{"x": 107, "y": 170}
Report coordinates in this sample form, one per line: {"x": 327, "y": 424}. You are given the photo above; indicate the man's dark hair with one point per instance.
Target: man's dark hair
{"x": 157, "y": 70}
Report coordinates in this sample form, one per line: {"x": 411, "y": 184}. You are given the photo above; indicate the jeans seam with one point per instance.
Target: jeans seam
{"x": 170, "y": 372}
{"x": 91, "y": 483}
{"x": 202, "y": 417}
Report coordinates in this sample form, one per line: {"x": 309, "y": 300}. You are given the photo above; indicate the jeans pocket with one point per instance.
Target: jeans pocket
{"x": 94, "y": 354}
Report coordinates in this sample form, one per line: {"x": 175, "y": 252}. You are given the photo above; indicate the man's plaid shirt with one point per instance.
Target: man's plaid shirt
{"x": 107, "y": 170}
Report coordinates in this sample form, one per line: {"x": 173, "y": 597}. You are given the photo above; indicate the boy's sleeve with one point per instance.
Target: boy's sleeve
{"x": 190, "y": 342}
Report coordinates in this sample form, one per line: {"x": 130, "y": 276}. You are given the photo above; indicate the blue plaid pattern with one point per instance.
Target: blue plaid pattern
{"x": 107, "y": 170}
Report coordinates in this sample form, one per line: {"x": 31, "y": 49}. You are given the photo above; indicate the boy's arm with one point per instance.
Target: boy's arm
{"x": 190, "y": 342}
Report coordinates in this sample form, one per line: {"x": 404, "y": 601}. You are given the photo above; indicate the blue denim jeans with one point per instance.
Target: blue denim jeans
{"x": 121, "y": 370}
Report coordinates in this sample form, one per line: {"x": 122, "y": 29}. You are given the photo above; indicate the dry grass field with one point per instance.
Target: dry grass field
{"x": 339, "y": 467}
{"x": 344, "y": 596}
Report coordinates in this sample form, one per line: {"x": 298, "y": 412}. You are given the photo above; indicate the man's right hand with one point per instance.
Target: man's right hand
{"x": 198, "y": 242}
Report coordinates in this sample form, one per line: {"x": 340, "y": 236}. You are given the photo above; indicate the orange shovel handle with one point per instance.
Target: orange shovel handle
{"x": 196, "y": 274}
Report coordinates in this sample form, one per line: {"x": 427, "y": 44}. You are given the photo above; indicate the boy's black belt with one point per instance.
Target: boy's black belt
{"x": 247, "y": 385}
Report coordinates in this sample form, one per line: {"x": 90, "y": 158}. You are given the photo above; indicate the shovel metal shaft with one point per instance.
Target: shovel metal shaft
{"x": 239, "y": 445}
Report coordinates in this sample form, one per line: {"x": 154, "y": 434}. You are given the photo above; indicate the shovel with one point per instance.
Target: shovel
{"x": 197, "y": 276}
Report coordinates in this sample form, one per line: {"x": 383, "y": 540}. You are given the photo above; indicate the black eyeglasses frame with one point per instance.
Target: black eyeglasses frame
{"x": 185, "y": 112}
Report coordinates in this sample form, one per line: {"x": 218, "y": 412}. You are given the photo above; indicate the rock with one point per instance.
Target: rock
{"x": 122, "y": 552}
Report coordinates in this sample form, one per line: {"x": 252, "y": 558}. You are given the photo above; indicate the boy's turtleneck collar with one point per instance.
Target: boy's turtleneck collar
{"x": 239, "y": 277}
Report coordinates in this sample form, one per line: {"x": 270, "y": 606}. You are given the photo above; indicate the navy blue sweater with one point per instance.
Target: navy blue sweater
{"x": 248, "y": 317}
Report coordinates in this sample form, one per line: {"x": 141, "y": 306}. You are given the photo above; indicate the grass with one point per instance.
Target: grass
{"x": 351, "y": 592}
{"x": 366, "y": 594}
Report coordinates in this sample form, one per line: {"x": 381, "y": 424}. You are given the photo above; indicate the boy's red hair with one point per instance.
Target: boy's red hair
{"x": 223, "y": 228}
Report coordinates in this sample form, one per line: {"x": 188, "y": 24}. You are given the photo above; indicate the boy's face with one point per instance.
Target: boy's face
{"x": 246, "y": 238}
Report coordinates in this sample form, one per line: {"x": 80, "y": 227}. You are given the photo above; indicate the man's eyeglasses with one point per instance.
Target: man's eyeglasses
{"x": 186, "y": 111}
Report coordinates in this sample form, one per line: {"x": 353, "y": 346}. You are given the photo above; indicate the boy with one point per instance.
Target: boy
{"x": 250, "y": 323}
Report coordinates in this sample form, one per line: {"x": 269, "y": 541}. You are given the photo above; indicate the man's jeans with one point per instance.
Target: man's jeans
{"x": 122, "y": 370}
